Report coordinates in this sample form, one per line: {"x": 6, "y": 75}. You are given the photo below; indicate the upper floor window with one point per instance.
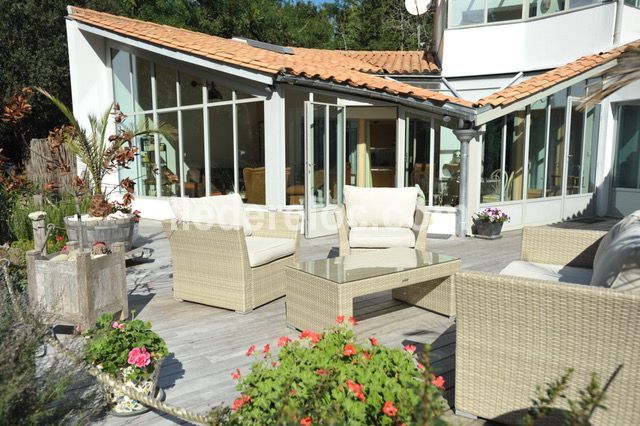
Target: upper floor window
{"x": 477, "y": 12}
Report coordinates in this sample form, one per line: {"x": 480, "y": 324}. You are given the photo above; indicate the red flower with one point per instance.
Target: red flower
{"x": 321, "y": 372}
{"x": 438, "y": 382}
{"x": 349, "y": 350}
{"x": 366, "y": 355}
{"x": 59, "y": 238}
{"x": 239, "y": 402}
{"x": 306, "y": 421}
{"x": 420, "y": 366}
{"x": 274, "y": 364}
{"x": 410, "y": 348}
{"x": 340, "y": 319}
{"x": 236, "y": 374}
{"x": 251, "y": 350}
{"x": 266, "y": 349}
{"x": 389, "y": 409}
{"x": 308, "y": 334}
{"x": 374, "y": 341}
{"x": 283, "y": 341}
{"x": 352, "y": 320}
{"x": 356, "y": 389}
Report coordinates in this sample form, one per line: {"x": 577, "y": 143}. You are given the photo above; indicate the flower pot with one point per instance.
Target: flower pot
{"x": 77, "y": 292}
{"x": 487, "y": 229}
{"x": 124, "y": 406}
{"x": 109, "y": 231}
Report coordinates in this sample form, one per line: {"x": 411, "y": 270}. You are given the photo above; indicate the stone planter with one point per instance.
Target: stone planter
{"x": 485, "y": 229}
{"x": 78, "y": 292}
{"x": 109, "y": 231}
{"x": 124, "y": 406}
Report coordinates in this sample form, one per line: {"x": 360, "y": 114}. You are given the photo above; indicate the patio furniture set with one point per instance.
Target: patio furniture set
{"x": 572, "y": 301}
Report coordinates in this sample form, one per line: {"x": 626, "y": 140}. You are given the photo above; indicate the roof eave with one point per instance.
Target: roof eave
{"x": 484, "y": 117}
{"x": 202, "y": 61}
{"x": 445, "y": 109}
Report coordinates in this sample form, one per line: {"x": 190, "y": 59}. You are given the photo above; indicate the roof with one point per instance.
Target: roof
{"x": 553, "y": 77}
{"x": 356, "y": 69}
{"x": 345, "y": 69}
{"x": 397, "y": 62}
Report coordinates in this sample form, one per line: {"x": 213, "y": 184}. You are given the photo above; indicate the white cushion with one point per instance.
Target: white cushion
{"x": 617, "y": 262}
{"x": 392, "y": 207}
{"x": 368, "y": 237}
{"x": 397, "y": 257}
{"x": 548, "y": 272}
{"x": 263, "y": 250}
{"x": 221, "y": 210}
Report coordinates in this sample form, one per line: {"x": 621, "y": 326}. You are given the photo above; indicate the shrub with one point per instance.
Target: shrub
{"x": 20, "y": 224}
{"x": 115, "y": 346}
{"x": 331, "y": 379}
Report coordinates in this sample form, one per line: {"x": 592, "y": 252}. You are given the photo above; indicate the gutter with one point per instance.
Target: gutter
{"x": 447, "y": 109}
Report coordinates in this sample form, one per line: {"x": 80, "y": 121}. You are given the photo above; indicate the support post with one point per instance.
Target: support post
{"x": 464, "y": 136}
{"x": 39, "y": 228}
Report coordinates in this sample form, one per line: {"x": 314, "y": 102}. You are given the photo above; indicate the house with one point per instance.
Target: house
{"x": 490, "y": 118}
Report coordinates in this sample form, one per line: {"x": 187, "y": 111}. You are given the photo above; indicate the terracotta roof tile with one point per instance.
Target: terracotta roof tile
{"x": 350, "y": 68}
{"x": 550, "y": 78}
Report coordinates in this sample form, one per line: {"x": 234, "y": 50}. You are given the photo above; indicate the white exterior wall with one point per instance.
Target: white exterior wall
{"x": 527, "y": 45}
{"x": 630, "y": 30}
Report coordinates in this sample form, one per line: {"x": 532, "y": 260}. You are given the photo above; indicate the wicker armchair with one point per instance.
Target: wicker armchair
{"x": 515, "y": 333}
{"x": 421, "y": 224}
{"x": 211, "y": 263}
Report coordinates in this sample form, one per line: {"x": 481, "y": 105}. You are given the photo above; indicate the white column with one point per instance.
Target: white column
{"x": 464, "y": 136}
{"x": 274, "y": 150}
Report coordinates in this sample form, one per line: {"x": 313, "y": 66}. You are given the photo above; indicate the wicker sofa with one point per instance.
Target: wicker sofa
{"x": 516, "y": 332}
{"x": 237, "y": 266}
{"x": 376, "y": 218}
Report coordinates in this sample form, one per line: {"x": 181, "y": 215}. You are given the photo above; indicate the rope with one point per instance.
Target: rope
{"x": 105, "y": 378}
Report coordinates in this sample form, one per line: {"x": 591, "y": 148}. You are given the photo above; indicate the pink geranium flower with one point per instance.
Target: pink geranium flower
{"x": 374, "y": 341}
{"x": 306, "y": 421}
{"x": 352, "y": 320}
{"x": 266, "y": 349}
{"x": 239, "y": 402}
{"x": 389, "y": 409}
{"x": 251, "y": 350}
{"x": 438, "y": 382}
{"x": 139, "y": 357}
{"x": 283, "y": 341}
{"x": 340, "y": 319}
{"x": 410, "y": 348}
{"x": 349, "y": 350}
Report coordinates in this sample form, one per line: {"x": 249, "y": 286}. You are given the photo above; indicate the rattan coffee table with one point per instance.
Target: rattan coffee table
{"x": 320, "y": 290}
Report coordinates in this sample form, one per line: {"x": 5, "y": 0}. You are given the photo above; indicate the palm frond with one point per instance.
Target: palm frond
{"x": 625, "y": 72}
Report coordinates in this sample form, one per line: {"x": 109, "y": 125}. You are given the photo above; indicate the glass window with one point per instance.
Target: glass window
{"x": 504, "y": 10}
{"x": 193, "y": 148}
{"x": 242, "y": 95}
{"x": 446, "y": 179}
{"x": 465, "y": 12}
{"x": 142, "y": 75}
{"x": 218, "y": 93}
{"x": 121, "y": 67}
{"x": 382, "y": 152}
{"x": 169, "y": 158}
{"x": 417, "y": 155}
{"x": 514, "y": 156}
{"x": 335, "y": 135}
{"x": 574, "y": 159}
{"x": 166, "y": 96}
{"x": 537, "y": 143}
{"x": 351, "y": 154}
{"x": 250, "y": 133}
{"x": 555, "y": 155}
{"x": 590, "y": 149}
{"x": 294, "y": 134}
{"x": 626, "y": 172}
{"x": 545, "y": 7}
{"x": 581, "y": 3}
{"x": 221, "y": 149}
{"x": 190, "y": 89}
{"x": 318, "y": 129}
{"x": 148, "y": 158}
{"x": 491, "y": 180}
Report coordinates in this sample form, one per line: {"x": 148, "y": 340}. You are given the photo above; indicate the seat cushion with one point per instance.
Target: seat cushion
{"x": 617, "y": 262}
{"x": 548, "y": 272}
{"x": 374, "y": 237}
{"x": 378, "y": 207}
{"x": 263, "y": 250}
{"x": 220, "y": 210}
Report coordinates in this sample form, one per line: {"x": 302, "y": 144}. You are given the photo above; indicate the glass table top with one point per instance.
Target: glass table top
{"x": 371, "y": 264}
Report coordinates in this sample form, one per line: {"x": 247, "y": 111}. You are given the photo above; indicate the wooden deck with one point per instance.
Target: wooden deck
{"x": 208, "y": 343}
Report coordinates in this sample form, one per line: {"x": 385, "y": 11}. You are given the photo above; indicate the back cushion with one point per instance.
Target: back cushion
{"x": 617, "y": 262}
{"x": 386, "y": 207}
{"x": 219, "y": 210}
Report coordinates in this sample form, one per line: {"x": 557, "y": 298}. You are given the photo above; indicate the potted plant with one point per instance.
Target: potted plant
{"x": 132, "y": 353}
{"x": 102, "y": 154}
{"x": 331, "y": 378}
{"x": 488, "y": 222}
